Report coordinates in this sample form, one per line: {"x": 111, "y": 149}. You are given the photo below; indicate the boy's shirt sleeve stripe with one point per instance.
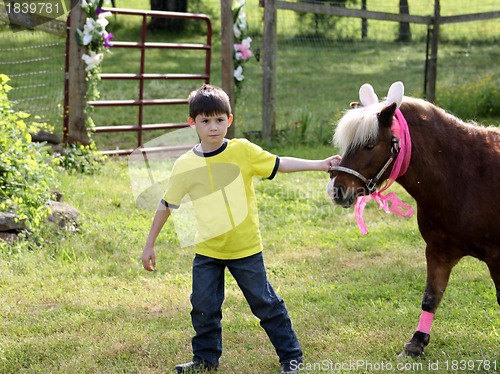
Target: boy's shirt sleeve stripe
{"x": 275, "y": 169}
{"x": 171, "y": 206}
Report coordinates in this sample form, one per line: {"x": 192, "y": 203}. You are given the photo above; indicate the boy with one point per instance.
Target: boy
{"x": 217, "y": 176}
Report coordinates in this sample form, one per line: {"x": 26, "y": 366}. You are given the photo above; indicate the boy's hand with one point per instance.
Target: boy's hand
{"x": 149, "y": 258}
{"x": 332, "y": 161}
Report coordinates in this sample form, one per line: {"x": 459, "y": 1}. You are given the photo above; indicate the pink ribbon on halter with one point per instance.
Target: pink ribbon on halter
{"x": 390, "y": 202}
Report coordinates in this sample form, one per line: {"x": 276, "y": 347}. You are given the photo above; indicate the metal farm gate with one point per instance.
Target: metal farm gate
{"x": 140, "y": 102}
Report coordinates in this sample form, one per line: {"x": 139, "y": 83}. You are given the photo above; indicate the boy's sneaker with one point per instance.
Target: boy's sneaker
{"x": 194, "y": 367}
{"x": 291, "y": 367}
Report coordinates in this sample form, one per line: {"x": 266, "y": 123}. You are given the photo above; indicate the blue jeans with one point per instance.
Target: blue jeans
{"x": 207, "y": 298}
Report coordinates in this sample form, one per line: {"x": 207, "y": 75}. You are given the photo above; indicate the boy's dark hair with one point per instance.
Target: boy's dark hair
{"x": 209, "y": 100}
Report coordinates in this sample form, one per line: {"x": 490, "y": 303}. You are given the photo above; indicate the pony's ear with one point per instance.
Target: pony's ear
{"x": 386, "y": 115}
{"x": 396, "y": 93}
{"x": 367, "y": 95}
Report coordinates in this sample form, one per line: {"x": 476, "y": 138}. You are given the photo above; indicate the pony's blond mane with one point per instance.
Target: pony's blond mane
{"x": 357, "y": 127}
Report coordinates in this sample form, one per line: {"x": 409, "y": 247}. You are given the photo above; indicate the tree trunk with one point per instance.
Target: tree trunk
{"x": 404, "y": 27}
{"x": 168, "y": 24}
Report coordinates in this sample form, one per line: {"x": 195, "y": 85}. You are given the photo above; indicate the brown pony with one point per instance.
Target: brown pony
{"x": 453, "y": 171}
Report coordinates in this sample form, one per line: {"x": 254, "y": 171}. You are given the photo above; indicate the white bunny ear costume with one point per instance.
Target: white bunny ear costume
{"x": 395, "y": 94}
{"x": 367, "y": 95}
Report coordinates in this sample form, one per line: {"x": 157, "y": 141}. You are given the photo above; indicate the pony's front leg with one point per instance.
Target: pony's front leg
{"x": 439, "y": 265}
{"x": 494, "y": 266}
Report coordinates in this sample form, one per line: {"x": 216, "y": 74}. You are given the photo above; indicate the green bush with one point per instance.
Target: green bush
{"x": 78, "y": 158}
{"x": 472, "y": 100}
{"x": 27, "y": 170}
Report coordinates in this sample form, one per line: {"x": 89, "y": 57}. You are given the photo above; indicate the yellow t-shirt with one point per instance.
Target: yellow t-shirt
{"x": 219, "y": 186}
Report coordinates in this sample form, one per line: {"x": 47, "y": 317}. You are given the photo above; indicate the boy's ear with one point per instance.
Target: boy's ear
{"x": 230, "y": 120}
{"x": 191, "y": 121}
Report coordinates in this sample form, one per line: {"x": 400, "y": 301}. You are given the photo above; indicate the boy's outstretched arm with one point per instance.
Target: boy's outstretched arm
{"x": 291, "y": 164}
{"x": 148, "y": 254}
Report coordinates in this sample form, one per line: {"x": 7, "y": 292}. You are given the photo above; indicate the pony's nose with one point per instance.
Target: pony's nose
{"x": 340, "y": 194}
{"x": 343, "y": 196}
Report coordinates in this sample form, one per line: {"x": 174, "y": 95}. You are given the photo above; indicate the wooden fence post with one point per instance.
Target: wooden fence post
{"x": 227, "y": 51}
{"x": 77, "y": 125}
{"x": 431, "y": 77}
{"x": 364, "y": 22}
{"x": 269, "y": 70}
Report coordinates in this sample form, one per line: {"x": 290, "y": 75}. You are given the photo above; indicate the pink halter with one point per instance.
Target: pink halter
{"x": 390, "y": 202}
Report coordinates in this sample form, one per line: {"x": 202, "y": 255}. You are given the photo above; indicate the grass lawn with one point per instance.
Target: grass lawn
{"x": 83, "y": 304}
{"x": 80, "y": 302}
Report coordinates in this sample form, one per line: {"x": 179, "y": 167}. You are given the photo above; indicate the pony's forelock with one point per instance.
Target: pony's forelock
{"x": 357, "y": 127}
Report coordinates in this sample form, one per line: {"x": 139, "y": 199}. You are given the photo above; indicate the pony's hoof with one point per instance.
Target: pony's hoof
{"x": 415, "y": 347}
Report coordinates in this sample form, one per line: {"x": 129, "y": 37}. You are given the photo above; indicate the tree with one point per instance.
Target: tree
{"x": 404, "y": 27}
{"x": 168, "y": 24}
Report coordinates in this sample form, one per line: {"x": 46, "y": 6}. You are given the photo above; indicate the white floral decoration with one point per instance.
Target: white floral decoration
{"x": 96, "y": 39}
{"x": 242, "y": 46}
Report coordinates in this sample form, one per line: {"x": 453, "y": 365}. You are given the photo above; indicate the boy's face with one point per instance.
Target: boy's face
{"x": 211, "y": 129}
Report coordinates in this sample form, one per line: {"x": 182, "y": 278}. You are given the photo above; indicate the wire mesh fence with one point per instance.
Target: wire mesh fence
{"x": 307, "y": 28}
{"x": 322, "y": 61}
{"x": 34, "y": 61}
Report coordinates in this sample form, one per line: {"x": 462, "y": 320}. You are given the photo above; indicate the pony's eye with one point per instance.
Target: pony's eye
{"x": 369, "y": 146}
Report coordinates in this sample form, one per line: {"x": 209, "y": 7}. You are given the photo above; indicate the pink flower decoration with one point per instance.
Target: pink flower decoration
{"x": 244, "y": 53}
{"x": 243, "y": 49}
